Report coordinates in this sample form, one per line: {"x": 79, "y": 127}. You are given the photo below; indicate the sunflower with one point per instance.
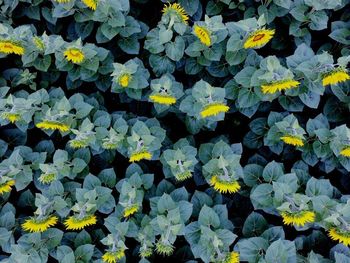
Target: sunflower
{"x": 177, "y": 11}
{"x": 7, "y": 186}
{"x": 78, "y": 144}
{"x": 130, "y": 210}
{"x": 163, "y": 99}
{"x": 109, "y": 145}
{"x": 11, "y": 47}
{"x": 124, "y": 80}
{"x": 299, "y": 218}
{"x": 10, "y": 116}
{"x": 339, "y": 235}
{"x": 345, "y": 152}
{"x": 273, "y": 87}
{"x": 224, "y": 186}
{"x": 145, "y": 252}
{"x": 92, "y": 4}
{"x": 335, "y": 76}
{"x": 39, "y": 225}
{"x": 292, "y": 140}
{"x": 113, "y": 257}
{"x": 138, "y": 156}
{"x": 214, "y": 109}
{"x": 259, "y": 38}
{"x": 47, "y": 178}
{"x": 74, "y": 55}
{"x": 183, "y": 176}
{"x": 52, "y": 125}
{"x": 164, "y": 248}
{"x": 232, "y": 257}
{"x": 203, "y": 34}
{"x": 74, "y": 223}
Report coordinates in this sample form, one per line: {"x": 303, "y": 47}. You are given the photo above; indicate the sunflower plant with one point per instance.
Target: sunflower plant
{"x": 131, "y": 78}
{"x": 221, "y": 166}
{"x": 180, "y": 161}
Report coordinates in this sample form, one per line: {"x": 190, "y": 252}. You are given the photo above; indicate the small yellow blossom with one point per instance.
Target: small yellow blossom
{"x": 74, "y": 55}
{"x": 177, "y": 10}
{"x": 10, "y": 116}
{"x": 52, "y": 125}
{"x": 6, "y": 187}
{"x": 113, "y": 257}
{"x": 341, "y": 236}
{"x": 292, "y": 140}
{"x": 259, "y": 38}
{"x": 203, "y": 35}
{"x": 335, "y": 77}
{"x": 92, "y": 4}
{"x": 78, "y": 144}
{"x": 164, "y": 248}
{"x": 345, "y": 152}
{"x": 124, "y": 80}
{"x": 74, "y": 223}
{"x": 214, "y": 109}
{"x": 183, "y": 176}
{"x": 11, "y": 47}
{"x": 130, "y": 210}
{"x": 300, "y": 218}
{"x": 224, "y": 186}
{"x": 39, "y": 225}
{"x": 47, "y": 178}
{"x": 135, "y": 157}
{"x": 273, "y": 87}
{"x": 232, "y": 257}
{"x": 163, "y": 99}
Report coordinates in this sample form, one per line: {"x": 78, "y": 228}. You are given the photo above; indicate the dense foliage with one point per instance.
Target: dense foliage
{"x": 189, "y": 131}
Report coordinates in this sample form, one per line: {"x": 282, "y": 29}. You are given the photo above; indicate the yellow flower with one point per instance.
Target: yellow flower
{"x": 73, "y": 223}
{"x": 232, "y": 257}
{"x": 203, "y": 35}
{"x": 214, "y": 109}
{"x": 335, "y": 77}
{"x": 339, "y": 235}
{"x": 259, "y": 38}
{"x": 177, "y": 10}
{"x": 47, "y": 178}
{"x": 6, "y": 187}
{"x": 108, "y": 145}
{"x": 78, "y": 144}
{"x": 130, "y": 210}
{"x": 74, "y": 55}
{"x": 92, "y": 4}
{"x": 145, "y": 252}
{"x": 52, "y": 125}
{"x": 183, "y": 176}
{"x": 10, "y": 116}
{"x": 113, "y": 257}
{"x": 279, "y": 86}
{"x": 345, "y": 152}
{"x": 300, "y": 218}
{"x": 164, "y": 248}
{"x": 11, "y": 47}
{"x": 163, "y": 99}
{"x": 292, "y": 140}
{"x": 124, "y": 80}
{"x": 135, "y": 157}
{"x": 224, "y": 186}
{"x": 39, "y": 225}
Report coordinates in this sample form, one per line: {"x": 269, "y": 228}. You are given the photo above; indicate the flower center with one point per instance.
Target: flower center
{"x": 258, "y": 37}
